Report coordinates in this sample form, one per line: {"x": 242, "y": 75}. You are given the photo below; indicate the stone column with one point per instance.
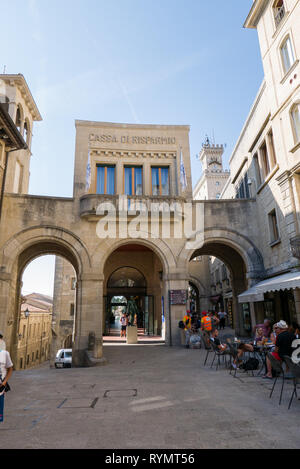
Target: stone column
{"x": 4, "y": 294}
{"x": 119, "y": 178}
{"x": 88, "y": 321}
{"x": 174, "y": 313}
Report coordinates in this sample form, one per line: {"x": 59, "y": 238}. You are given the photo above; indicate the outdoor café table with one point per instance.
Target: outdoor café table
{"x": 262, "y": 350}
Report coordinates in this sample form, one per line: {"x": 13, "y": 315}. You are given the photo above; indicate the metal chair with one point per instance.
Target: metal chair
{"x": 277, "y": 367}
{"x": 206, "y": 345}
{"x": 218, "y": 354}
{"x": 295, "y": 371}
{"x": 233, "y": 355}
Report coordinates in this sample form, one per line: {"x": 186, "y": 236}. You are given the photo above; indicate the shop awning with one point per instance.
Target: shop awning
{"x": 251, "y": 296}
{"x": 282, "y": 282}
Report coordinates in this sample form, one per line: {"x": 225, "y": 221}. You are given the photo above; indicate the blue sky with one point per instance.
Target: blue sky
{"x": 134, "y": 61}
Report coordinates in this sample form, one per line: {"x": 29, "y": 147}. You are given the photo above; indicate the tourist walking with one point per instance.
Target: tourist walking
{"x": 124, "y": 322}
{"x": 222, "y": 316}
{"x": 187, "y": 321}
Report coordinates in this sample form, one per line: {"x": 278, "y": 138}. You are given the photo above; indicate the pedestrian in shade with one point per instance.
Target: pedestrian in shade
{"x": 6, "y": 369}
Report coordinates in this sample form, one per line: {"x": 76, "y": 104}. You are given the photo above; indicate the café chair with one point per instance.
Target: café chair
{"x": 218, "y": 354}
{"x": 277, "y": 367}
{"x": 294, "y": 369}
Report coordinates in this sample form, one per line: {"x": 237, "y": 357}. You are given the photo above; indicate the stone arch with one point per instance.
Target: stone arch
{"x": 160, "y": 248}
{"x": 20, "y": 118}
{"x": 36, "y": 241}
{"x": 240, "y": 255}
{"x": 233, "y": 240}
{"x": 27, "y": 132}
{"x": 18, "y": 252}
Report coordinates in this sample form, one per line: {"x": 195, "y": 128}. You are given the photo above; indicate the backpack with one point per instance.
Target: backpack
{"x": 251, "y": 364}
{"x": 181, "y": 325}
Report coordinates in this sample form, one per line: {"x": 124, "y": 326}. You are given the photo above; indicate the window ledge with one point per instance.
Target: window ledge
{"x": 295, "y": 148}
{"x": 274, "y": 243}
{"x": 268, "y": 178}
{"x": 289, "y": 71}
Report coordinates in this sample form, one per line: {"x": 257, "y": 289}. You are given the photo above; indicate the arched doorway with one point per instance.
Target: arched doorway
{"x": 46, "y": 338}
{"x": 239, "y": 317}
{"x": 134, "y": 272}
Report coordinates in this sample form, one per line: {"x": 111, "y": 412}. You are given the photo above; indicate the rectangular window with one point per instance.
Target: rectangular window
{"x": 271, "y": 149}
{"x": 274, "y": 232}
{"x": 296, "y": 121}
{"x": 160, "y": 181}
{"x": 133, "y": 180}
{"x": 73, "y": 283}
{"x": 279, "y": 11}
{"x": 287, "y": 54}
{"x": 257, "y": 170}
{"x": 105, "y": 180}
{"x": 72, "y": 309}
{"x": 264, "y": 159}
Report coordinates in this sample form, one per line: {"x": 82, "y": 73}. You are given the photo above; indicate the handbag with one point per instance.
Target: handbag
{"x": 5, "y": 388}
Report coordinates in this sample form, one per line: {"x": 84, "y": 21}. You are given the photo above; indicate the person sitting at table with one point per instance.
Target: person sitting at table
{"x": 259, "y": 336}
{"x": 215, "y": 339}
{"x": 283, "y": 346}
{"x": 242, "y": 348}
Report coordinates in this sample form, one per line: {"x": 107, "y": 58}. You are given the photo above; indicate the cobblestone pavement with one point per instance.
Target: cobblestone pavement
{"x": 148, "y": 396}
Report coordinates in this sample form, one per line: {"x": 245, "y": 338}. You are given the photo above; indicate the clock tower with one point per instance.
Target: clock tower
{"x": 214, "y": 177}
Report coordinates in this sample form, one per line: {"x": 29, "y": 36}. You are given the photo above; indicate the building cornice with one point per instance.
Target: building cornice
{"x": 21, "y": 83}
{"x": 255, "y": 13}
{"x": 83, "y": 123}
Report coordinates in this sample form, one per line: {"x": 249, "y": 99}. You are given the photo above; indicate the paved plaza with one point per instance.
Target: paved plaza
{"x": 147, "y": 396}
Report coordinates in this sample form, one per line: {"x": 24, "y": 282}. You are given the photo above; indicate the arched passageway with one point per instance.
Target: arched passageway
{"x": 236, "y": 265}
{"x": 20, "y": 251}
{"x": 133, "y": 271}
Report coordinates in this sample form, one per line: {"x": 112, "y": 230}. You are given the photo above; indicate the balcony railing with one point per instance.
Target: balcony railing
{"x": 91, "y": 205}
{"x": 279, "y": 14}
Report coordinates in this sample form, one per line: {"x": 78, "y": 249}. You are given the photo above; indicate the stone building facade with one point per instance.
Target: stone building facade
{"x": 132, "y": 224}
{"x": 34, "y": 332}
{"x": 266, "y": 160}
{"x": 156, "y": 244}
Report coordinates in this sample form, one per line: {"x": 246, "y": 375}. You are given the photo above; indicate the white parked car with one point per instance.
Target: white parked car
{"x": 63, "y": 358}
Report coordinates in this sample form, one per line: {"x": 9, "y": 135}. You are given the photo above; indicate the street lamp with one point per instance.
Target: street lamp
{"x": 26, "y": 313}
